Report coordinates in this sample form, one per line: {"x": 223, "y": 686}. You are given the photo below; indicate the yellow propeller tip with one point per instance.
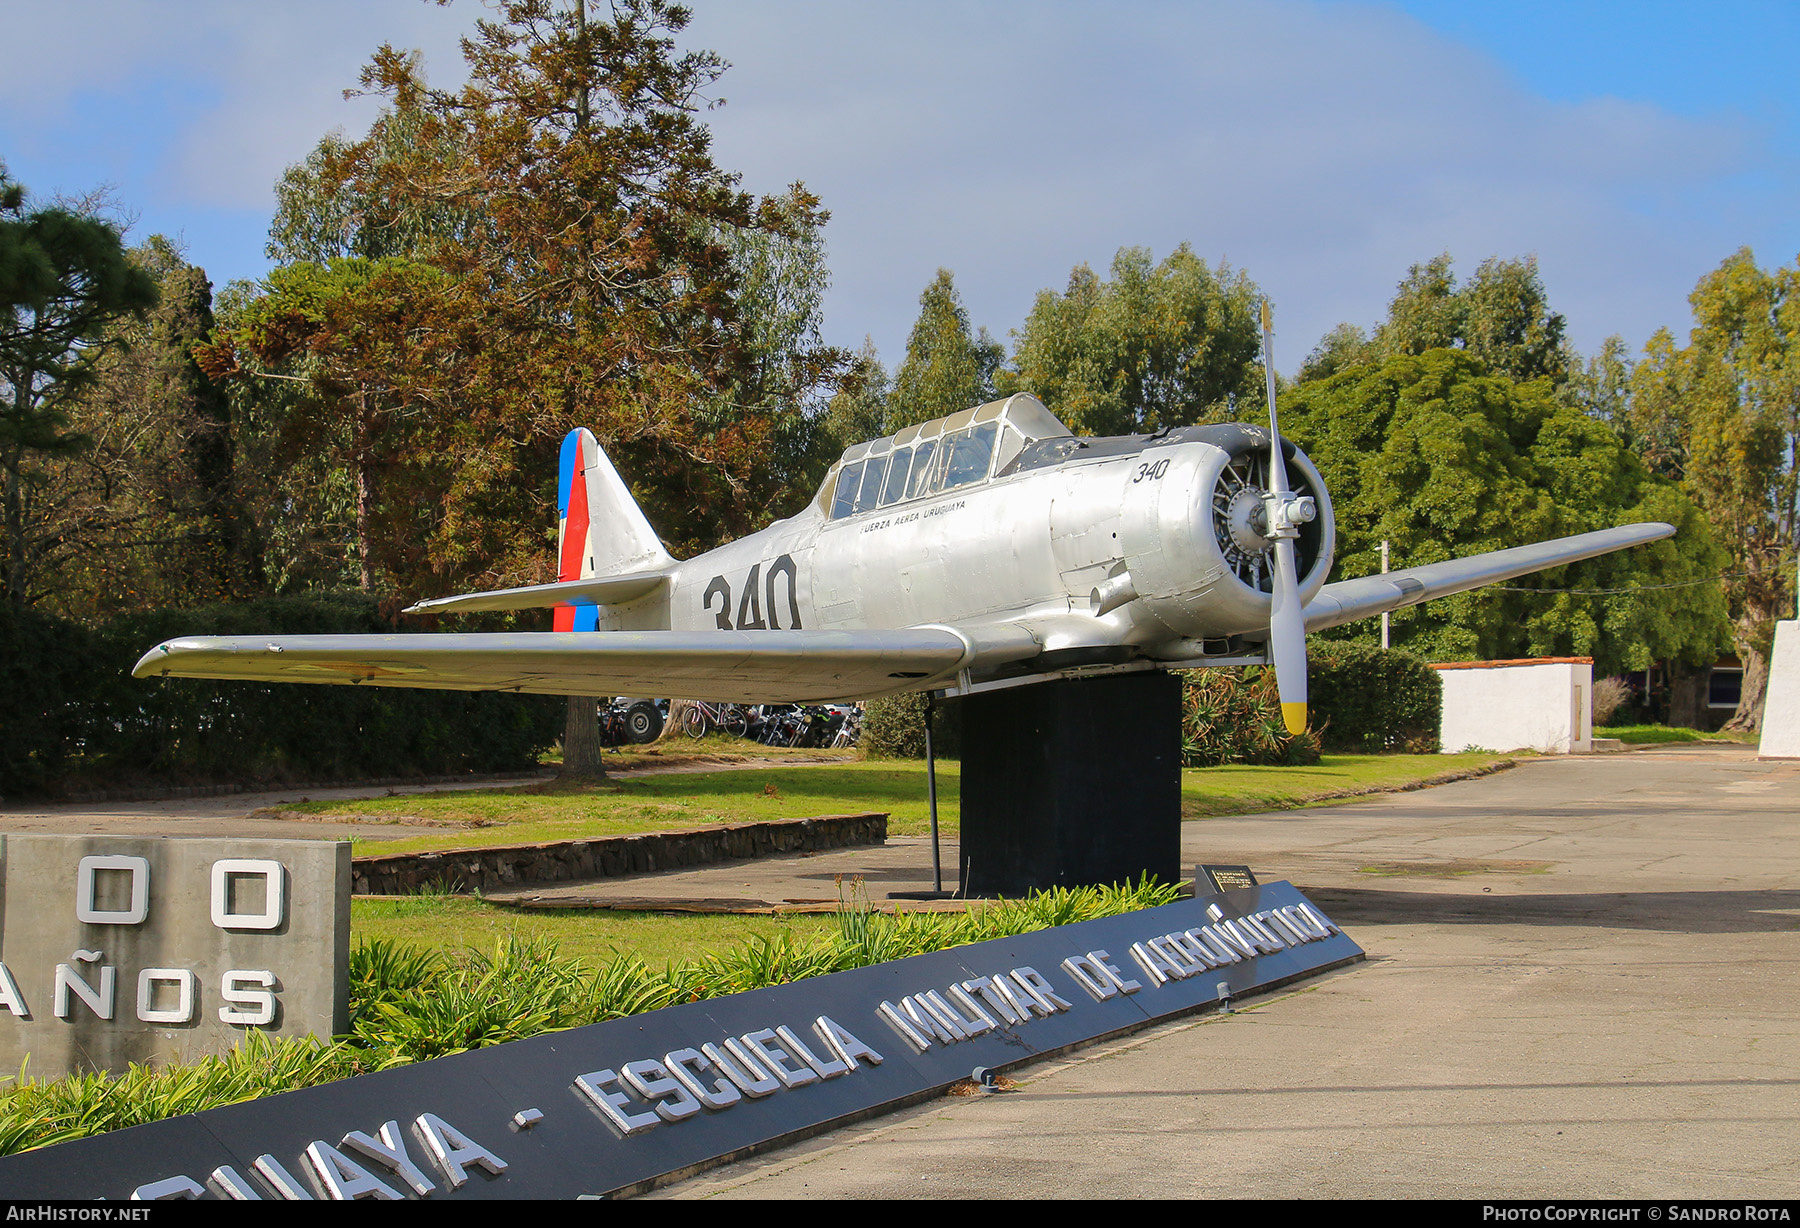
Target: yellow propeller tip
{"x": 1294, "y": 717}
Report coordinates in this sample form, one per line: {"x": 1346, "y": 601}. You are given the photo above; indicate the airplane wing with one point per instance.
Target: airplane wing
{"x": 737, "y": 666}
{"x": 1348, "y": 600}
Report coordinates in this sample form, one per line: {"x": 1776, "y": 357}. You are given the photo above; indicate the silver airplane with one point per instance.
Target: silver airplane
{"x": 989, "y": 548}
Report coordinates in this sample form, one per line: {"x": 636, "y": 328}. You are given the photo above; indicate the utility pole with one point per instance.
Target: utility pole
{"x": 1384, "y": 617}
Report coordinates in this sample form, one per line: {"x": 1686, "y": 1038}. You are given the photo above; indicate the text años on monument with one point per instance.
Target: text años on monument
{"x": 162, "y": 995}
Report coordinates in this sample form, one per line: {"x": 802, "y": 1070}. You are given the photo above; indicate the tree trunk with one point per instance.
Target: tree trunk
{"x": 1687, "y": 695}
{"x": 582, "y": 753}
{"x": 676, "y": 724}
{"x": 365, "y": 494}
{"x": 1754, "y": 635}
{"x": 1748, "y": 717}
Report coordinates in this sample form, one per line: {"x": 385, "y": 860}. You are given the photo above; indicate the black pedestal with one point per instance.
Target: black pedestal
{"x": 1071, "y": 784}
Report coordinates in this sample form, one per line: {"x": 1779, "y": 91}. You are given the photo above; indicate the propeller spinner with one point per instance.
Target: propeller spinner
{"x": 1284, "y": 514}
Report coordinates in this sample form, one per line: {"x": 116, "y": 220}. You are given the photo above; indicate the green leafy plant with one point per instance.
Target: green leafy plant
{"x": 1234, "y": 716}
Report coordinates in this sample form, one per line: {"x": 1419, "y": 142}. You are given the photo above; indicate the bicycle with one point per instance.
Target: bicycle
{"x": 703, "y": 717}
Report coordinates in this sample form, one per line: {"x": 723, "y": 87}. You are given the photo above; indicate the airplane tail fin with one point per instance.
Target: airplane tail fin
{"x": 601, "y": 530}
{"x": 606, "y": 552}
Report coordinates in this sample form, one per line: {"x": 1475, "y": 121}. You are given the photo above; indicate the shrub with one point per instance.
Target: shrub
{"x": 1234, "y": 716}
{"x": 409, "y": 1005}
{"x": 43, "y": 662}
{"x": 894, "y": 728}
{"x": 1610, "y": 694}
{"x": 1373, "y": 699}
{"x": 75, "y": 711}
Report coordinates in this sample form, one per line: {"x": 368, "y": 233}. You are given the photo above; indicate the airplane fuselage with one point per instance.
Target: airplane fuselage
{"x": 1123, "y": 543}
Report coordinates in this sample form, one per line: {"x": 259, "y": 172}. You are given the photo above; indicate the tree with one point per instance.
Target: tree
{"x": 64, "y": 280}
{"x": 859, "y": 408}
{"x": 323, "y": 211}
{"x": 1502, "y": 316}
{"x": 361, "y": 339}
{"x": 947, "y": 369}
{"x": 1601, "y": 387}
{"x": 787, "y": 371}
{"x": 1723, "y": 415}
{"x": 1161, "y": 345}
{"x": 594, "y": 282}
{"x": 1441, "y": 458}
{"x": 1338, "y": 350}
{"x": 150, "y": 512}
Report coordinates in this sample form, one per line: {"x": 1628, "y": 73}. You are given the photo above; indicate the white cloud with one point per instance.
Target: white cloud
{"x": 1323, "y": 149}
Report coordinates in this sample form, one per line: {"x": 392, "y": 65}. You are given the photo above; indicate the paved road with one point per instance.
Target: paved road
{"x": 1583, "y": 980}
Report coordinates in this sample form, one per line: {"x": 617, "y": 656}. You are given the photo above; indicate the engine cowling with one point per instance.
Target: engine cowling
{"x": 1194, "y": 531}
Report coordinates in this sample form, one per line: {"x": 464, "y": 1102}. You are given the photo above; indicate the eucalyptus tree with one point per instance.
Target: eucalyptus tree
{"x": 1501, "y": 316}
{"x": 1159, "y": 345}
{"x": 948, "y": 367}
{"x": 1722, "y": 414}
{"x": 151, "y": 511}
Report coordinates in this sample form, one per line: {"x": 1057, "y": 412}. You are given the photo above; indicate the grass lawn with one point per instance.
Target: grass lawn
{"x": 1206, "y": 792}
{"x": 1644, "y": 735}
{"x": 558, "y": 811}
{"x": 554, "y": 811}
{"x": 593, "y": 936}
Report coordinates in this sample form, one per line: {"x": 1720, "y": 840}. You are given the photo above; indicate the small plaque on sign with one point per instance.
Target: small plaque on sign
{"x": 1228, "y": 878}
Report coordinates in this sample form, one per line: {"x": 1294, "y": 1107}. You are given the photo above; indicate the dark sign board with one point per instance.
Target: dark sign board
{"x": 1226, "y": 878}
{"x": 616, "y": 1105}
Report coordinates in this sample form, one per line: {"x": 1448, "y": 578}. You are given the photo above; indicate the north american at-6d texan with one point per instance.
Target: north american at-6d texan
{"x": 988, "y": 548}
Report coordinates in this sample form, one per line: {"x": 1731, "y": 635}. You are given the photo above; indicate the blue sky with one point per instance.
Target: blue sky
{"x": 1320, "y": 146}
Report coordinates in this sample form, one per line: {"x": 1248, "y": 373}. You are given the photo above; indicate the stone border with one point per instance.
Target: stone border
{"x": 560, "y": 861}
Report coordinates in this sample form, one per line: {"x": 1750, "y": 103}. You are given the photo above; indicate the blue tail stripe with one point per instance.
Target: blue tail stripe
{"x": 566, "y": 466}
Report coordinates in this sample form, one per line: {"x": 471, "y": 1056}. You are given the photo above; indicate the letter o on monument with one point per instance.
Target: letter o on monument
{"x": 274, "y": 894}
{"x": 182, "y": 978}
{"x": 133, "y": 914}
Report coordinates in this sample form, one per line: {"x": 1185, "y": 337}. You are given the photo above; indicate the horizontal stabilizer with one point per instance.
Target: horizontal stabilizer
{"x": 597, "y": 590}
{"x": 738, "y": 666}
{"x": 1348, "y": 600}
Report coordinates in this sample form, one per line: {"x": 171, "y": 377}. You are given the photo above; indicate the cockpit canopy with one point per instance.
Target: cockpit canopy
{"x": 960, "y": 450}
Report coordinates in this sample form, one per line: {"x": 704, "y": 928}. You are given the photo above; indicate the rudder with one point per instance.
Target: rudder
{"x": 601, "y": 530}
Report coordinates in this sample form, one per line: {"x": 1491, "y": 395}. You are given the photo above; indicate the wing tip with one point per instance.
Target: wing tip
{"x": 150, "y": 664}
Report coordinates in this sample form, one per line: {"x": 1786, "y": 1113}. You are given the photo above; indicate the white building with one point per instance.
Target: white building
{"x": 1545, "y": 705}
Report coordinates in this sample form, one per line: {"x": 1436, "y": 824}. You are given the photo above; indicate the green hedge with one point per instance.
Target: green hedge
{"x": 894, "y": 728}
{"x": 1362, "y": 699}
{"x": 1373, "y": 699}
{"x": 73, "y": 714}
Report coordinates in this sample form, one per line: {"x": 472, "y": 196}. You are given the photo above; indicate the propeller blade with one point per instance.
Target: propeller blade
{"x": 1278, "y": 483}
{"x": 1287, "y": 639}
{"x": 1287, "y": 618}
